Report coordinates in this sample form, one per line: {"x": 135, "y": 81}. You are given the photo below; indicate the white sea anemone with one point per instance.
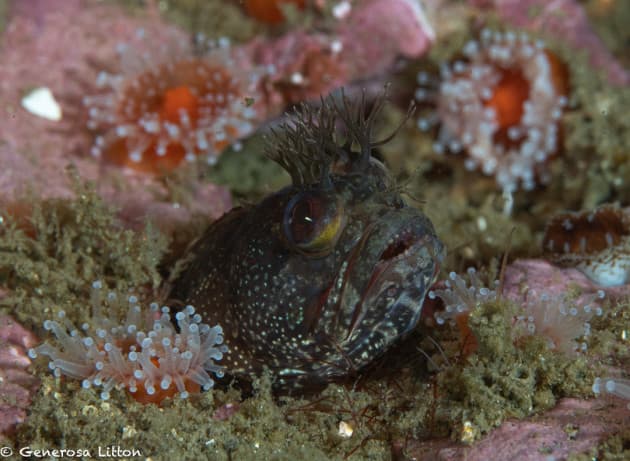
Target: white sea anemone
{"x": 615, "y": 386}
{"x": 146, "y": 354}
{"x": 461, "y": 296}
{"x": 564, "y": 322}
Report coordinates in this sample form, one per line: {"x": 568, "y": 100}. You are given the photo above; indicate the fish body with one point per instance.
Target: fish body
{"x": 321, "y": 277}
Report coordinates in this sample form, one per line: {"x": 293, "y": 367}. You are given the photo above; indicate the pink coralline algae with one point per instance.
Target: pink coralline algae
{"x": 17, "y": 385}
{"x": 363, "y": 43}
{"x": 538, "y": 438}
{"x": 34, "y": 151}
{"x": 564, "y": 20}
{"x": 305, "y": 65}
{"x": 375, "y": 32}
{"x": 540, "y": 275}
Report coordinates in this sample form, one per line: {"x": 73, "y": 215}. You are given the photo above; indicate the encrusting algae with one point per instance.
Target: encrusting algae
{"x": 61, "y": 246}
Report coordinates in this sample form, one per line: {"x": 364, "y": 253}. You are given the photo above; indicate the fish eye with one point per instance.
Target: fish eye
{"x": 313, "y": 222}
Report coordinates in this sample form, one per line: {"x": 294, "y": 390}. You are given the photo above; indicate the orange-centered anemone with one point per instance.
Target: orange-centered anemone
{"x": 511, "y": 93}
{"x": 144, "y": 395}
{"x": 170, "y": 111}
{"x": 153, "y": 354}
{"x": 179, "y": 99}
{"x": 500, "y": 105}
{"x": 508, "y": 98}
{"x": 143, "y": 391}
{"x": 269, "y": 11}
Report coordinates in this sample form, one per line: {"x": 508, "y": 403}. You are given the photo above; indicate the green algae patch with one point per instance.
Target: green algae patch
{"x": 51, "y": 259}
{"x": 65, "y": 416}
{"x": 595, "y": 134}
{"x": 610, "y": 19}
{"x": 363, "y": 423}
{"x": 214, "y": 19}
{"x": 4, "y": 9}
{"x": 601, "y": 131}
{"x": 220, "y": 18}
{"x": 248, "y": 173}
{"x": 611, "y": 335}
{"x": 505, "y": 377}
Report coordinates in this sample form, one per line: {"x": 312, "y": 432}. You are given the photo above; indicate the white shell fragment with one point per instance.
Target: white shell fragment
{"x": 42, "y": 103}
{"x": 341, "y": 9}
{"x": 345, "y": 430}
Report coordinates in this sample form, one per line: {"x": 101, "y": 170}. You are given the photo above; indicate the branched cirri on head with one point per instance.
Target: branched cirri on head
{"x": 321, "y": 277}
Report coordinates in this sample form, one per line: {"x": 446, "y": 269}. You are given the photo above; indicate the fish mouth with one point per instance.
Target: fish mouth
{"x": 377, "y": 295}
{"x": 396, "y": 284}
{"x": 397, "y": 271}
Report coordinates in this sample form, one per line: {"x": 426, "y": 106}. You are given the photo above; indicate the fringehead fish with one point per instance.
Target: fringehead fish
{"x": 320, "y": 278}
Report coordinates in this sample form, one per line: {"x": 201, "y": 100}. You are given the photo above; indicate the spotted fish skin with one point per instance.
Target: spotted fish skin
{"x": 321, "y": 277}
